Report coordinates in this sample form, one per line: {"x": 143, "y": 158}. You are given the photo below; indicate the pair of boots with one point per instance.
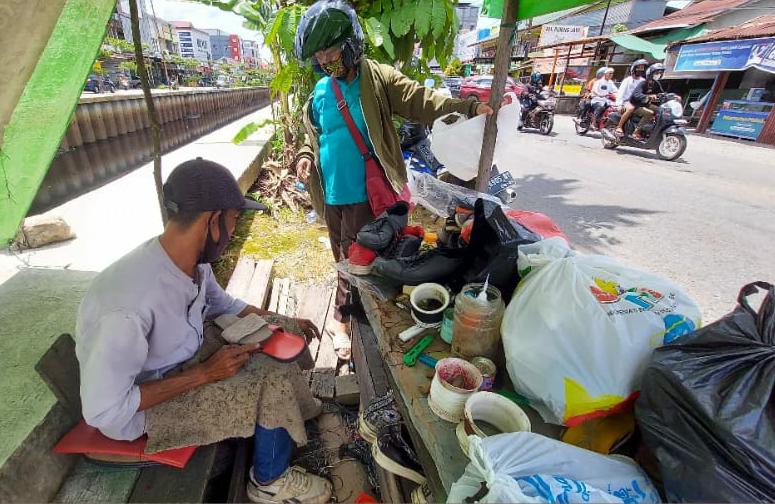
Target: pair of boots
{"x": 389, "y": 236}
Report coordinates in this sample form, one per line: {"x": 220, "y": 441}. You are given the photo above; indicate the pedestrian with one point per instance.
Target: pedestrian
{"x": 600, "y": 93}
{"x": 331, "y": 163}
{"x": 637, "y": 70}
{"x": 152, "y": 362}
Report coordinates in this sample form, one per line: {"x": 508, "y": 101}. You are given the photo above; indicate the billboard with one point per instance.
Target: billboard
{"x": 739, "y": 123}
{"x": 555, "y": 34}
{"x": 730, "y": 55}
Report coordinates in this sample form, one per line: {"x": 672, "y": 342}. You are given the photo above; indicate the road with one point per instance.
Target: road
{"x": 706, "y": 221}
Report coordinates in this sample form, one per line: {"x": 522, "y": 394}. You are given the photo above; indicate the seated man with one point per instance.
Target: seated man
{"x": 152, "y": 363}
{"x": 645, "y": 97}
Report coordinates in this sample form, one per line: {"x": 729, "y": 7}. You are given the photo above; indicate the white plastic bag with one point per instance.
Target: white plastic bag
{"x": 458, "y": 145}
{"x": 580, "y": 329}
{"x": 528, "y": 467}
{"x": 442, "y": 197}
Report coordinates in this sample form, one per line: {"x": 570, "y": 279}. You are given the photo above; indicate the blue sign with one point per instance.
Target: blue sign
{"x": 739, "y": 123}
{"x": 728, "y": 55}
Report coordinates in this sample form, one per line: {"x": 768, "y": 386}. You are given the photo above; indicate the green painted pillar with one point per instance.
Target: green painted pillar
{"x": 41, "y": 112}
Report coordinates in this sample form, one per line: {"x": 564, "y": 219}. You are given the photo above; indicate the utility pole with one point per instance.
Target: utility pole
{"x": 502, "y": 63}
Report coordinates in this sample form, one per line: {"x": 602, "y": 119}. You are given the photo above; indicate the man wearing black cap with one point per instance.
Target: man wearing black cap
{"x": 151, "y": 363}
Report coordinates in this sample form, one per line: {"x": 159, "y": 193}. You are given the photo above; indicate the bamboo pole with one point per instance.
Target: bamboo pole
{"x": 152, "y": 117}
{"x": 502, "y": 62}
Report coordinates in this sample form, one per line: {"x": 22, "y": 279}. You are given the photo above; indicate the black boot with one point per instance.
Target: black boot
{"x": 380, "y": 233}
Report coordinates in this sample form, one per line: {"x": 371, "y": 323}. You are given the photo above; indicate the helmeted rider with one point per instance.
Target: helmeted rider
{"x": 604, "y": 87}
{"x": 331, "y": 38}
{"x": 637, "y": 72}
{"x": 646, "y": 95}
{"x": 530, "y": 96}
{"x": 586, "y": 94}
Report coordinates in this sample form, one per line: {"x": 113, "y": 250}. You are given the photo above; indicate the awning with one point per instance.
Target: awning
{"x": 530, "y": 8}
{"x": 639, "y": 45}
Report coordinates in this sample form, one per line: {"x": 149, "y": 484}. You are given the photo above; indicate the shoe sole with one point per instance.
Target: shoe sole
{"x": 365, "y": 431}
{"x": 389, "y": 465}
{"x": 359, "y": 270}
{"x": 254, "y": 495}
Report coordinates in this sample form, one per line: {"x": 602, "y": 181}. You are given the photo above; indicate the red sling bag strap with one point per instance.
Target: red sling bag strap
{"x": 380, "y": 192}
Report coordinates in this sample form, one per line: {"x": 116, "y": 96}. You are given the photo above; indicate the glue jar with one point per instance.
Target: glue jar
{"x": 477, "y": 326}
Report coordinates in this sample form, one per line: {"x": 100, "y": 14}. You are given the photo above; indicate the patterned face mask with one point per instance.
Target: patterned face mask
{"x": 334, "y": 68}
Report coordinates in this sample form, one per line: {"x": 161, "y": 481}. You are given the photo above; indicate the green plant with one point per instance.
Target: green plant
{"x": 128, "y": 66}
{"x": 619, "y": 28}
{"x": 454, "y": 69}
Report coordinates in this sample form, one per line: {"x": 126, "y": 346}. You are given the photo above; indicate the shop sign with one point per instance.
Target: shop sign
{"x": 555, "y": 34}
{"x": 728, "y": 55}
{"x": 739, "y": 123}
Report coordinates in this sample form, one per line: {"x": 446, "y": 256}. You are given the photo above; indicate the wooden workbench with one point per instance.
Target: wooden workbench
{"x": 434, "y": 439}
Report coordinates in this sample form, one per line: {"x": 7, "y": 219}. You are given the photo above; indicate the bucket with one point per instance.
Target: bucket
{"x": 454, "y": 382}
{"x": 428, "y": 301}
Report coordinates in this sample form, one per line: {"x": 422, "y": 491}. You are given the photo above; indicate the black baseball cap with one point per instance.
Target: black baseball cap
{"x": 200, "y": 185}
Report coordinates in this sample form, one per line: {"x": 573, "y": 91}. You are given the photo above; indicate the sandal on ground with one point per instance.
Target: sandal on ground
{"x": 342, "y": 345}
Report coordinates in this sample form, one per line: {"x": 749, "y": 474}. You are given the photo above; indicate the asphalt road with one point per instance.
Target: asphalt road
{"x": 706, "y": 221}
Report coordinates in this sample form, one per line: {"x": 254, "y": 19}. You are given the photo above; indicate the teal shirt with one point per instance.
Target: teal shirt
{"x": 341, "y": 163}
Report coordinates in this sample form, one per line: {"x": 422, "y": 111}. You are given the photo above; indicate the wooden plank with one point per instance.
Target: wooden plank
{"x": 167, "y": 484}
{"x": 258, "y": 289}
{"x": 327, "y": 358}
{"x": 285, "y": 292}
{"x": 92, "y": 483}
{"x": 312, "y": 304}
{"x": 239, "y": 472}
{"x": 323, "y": 384}
{"x": 240, "y": 278}
{"x": 275, "y": 295}
{"x": 347, "y": 390}
{"x": 59, "y": 370}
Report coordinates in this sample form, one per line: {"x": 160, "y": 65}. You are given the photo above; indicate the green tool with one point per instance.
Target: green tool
{"x": 410, "y": 357}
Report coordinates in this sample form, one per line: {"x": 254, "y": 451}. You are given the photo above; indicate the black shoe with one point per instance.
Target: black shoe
{"x": 433, "y": 266}
{"x": 380, "y": 233}
{"x": 380, "y": 413}
{"x": 403, "y": 247}
{"x": 394, "y": 454}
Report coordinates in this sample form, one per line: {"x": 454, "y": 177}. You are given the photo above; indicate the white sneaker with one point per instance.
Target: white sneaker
{"x": 295, "y": 486}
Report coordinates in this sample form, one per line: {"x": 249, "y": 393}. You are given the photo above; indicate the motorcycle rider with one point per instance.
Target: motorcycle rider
{"x": 645, "y": 95}
{"x": 600, "y": 92}
{"x": 586, "y": 97}
{"x": 530, "y": 96}
{"x": 637, "y": 70}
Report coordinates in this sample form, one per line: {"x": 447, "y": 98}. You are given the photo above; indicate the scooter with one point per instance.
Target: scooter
{"x": 585, "y": 117}
{"x": 541, "y": 117}
{"x": 666, "y": 134}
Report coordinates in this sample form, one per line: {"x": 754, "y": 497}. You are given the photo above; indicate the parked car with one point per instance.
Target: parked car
{"x": 479, "y": 86}
{"x": 454, "y": 83}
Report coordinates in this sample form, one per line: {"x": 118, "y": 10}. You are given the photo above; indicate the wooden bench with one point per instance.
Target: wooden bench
{"x": 89, "y": 482}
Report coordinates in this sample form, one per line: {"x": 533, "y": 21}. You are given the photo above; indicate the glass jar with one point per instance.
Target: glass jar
{"x": 477, "y": 325}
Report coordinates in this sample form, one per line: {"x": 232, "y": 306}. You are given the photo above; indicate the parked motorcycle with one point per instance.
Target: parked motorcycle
{"x": 585, "y": 117}
{"x": 666, "y": 134}
{"x": 541, "y": 117}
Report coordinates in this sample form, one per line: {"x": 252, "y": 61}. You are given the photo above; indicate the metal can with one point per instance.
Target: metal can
{"x": 488, "y": 370}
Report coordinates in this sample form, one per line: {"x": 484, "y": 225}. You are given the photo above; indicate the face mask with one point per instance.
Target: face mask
{"x": 213, "y": 249}
{"x": 334, "y": 68}
{"x": 658, "y": 77}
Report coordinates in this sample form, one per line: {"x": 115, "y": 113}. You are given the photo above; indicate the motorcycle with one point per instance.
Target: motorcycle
{"x": 585, "y": 117}
{"x": 541, "y": 117}
{"x": 665, "y": 134}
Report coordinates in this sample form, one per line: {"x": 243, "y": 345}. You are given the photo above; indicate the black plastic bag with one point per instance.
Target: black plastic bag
{"x": 492, "y": 249}
{"x": 706, "y": 409}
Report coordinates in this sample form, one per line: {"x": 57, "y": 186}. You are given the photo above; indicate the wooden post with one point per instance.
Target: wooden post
{"x": 565, "y": 73}
{"x": 502, "y": 62}
{"x": 554, "y": 68}
{"x": 715, "y": 94}
{"x": 767, "y": 136}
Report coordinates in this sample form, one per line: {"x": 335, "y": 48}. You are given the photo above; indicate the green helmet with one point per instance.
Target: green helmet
{"x": 326, "y": 24}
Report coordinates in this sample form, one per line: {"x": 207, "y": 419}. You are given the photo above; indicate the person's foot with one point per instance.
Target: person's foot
{"x": 340, "y": 335}
{"x": 619, "y": 132}
{"x": 637, "y": 136}
{"x": 295, "y": 485}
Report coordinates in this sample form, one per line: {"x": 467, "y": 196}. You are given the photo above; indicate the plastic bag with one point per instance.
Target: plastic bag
{"x": 580, "y": 330}
{"x": 458, "y": 145}
{"x": 536, "y": 222}
{"x": 441, "y": 198}
{"x": 706, "y": 409}
{"x": 493, "y": 248}
{"x": 528, "y": 467}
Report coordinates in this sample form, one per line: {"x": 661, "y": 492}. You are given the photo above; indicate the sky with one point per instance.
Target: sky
{"x": 204, "y": 16}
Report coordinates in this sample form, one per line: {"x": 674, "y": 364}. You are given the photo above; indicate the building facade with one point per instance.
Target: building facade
{"x": 156, "y": 34}
{"x": 219, "y": 44}
{"x": 468, "y": 16}
{"x": 193, "y": 43}
{"x": 235, "y": 47}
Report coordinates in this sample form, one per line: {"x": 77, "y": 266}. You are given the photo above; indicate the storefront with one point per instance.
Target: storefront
{"x": 739, "y": 101}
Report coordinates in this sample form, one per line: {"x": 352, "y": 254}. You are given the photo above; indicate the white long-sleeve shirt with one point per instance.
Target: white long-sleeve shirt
{"x": 601, "y": 90}
{"x": 626, "y": 89}
{"x": 141, "y": 317}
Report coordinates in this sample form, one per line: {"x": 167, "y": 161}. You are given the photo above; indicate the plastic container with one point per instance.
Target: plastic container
{"x": 477, "y": 327}
{"x": 447, "y": 325}
{"x": 488, "y": 369}
{"x": 312, "y": 217}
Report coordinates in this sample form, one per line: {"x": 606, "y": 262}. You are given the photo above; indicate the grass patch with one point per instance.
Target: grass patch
{"x": 286, "y": 237}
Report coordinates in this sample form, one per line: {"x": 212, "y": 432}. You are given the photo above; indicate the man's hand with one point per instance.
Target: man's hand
{"x": 227, "y": 361}
{"x": 303, "y": 168}
{"x": 309, "y": 329}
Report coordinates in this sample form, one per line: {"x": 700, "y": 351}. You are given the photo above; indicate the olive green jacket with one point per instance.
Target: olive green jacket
{"x": 384, "y": 92}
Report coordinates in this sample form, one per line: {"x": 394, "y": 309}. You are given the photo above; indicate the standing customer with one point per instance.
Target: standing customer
{"x": 331, "y": 162}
